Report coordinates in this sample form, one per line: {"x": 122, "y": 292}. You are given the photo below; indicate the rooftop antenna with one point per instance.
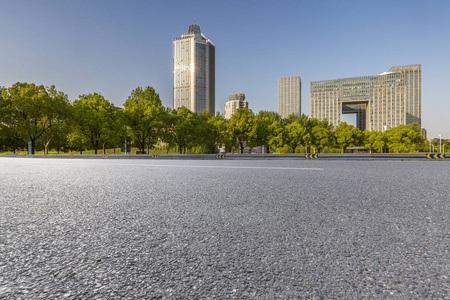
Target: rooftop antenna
{"x": 194, "y": 28}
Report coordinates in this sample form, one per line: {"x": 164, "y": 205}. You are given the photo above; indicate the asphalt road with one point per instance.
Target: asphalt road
{"x": 140, "y": 229}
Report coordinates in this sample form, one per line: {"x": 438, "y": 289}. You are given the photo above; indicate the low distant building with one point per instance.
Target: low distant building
{"x": 235, "y": 101}
{"x": 424, "y": 132}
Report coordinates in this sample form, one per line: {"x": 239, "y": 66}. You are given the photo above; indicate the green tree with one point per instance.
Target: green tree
{"x": 212, "y": 131}
{"x": 181, "y": 128}
{"x": 347, "y": 136}
{"x": 374, "y": 140}
{"x": 118, "y": 129}
{"x": 77, "y": 141}
{"x": 33, "y": 110}
{"x": 318, "y": 138}
{"x": 321, "y": 137}
{"x": 404, "y": 138}
{"x": 276, "y": 140}
{"x": 10, "y": 138}
{"x": 227, "y": 137}
{"x": 242, "y": 124}
{"x": 294, "y": 134}
{"x": 263, "y": 129}
{"x": 307, "y": 123}
{"x": 301, "y": 119}
{"x": 143, "y": 112}
{"x": 94, "y": 118}
{"x": 58, "y": 120}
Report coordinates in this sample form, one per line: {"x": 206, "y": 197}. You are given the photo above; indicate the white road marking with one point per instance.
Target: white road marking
{"x": 228, "y": 167}
{"x": 103, "y": 162}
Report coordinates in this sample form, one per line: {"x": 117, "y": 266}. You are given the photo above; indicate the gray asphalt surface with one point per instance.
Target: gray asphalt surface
{"x": 113, "y": 229}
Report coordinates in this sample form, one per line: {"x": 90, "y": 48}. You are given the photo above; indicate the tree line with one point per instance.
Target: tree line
{"x": 46, "y": 118}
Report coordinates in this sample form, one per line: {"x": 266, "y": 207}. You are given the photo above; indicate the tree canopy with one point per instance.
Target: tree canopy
{"x": 144, "y": 115}
{"x": 242, "y": 123}
{"x": 31, "y": 112}
{"x": 44, "y": 116}
{"x": 94, "y": 118}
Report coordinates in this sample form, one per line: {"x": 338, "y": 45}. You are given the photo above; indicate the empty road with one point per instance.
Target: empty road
{"x": 140, "y": 229}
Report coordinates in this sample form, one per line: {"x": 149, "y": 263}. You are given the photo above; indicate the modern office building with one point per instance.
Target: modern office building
{"x": 235, "y": 101}
{"x": 194, "y": 71}
{"x": 380, "y": 102}
{"x": 289, "y": 96}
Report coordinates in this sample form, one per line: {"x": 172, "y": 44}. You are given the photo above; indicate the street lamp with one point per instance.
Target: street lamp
{"x": 440, "y": 140}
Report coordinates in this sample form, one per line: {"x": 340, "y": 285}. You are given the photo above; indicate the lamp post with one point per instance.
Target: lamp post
{"x": 440, "y": 141}
{"x": 430, "y": 145}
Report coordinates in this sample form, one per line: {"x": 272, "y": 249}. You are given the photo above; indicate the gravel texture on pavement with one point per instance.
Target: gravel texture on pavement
{"x": 141, "y": 229}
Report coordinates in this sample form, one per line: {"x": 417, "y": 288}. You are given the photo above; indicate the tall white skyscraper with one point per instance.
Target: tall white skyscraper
{"x": 194, "y": 71}
{"x": 289, "y": 96}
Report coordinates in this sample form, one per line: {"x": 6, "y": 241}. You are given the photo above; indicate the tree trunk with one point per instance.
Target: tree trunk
{"x": 46, "y": 147}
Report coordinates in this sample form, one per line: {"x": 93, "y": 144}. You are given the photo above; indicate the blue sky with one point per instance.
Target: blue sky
{"x": 112, "y": 47}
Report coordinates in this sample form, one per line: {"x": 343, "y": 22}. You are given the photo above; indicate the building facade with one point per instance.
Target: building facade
{"x": 235, "y": 101}
{"x": 289, "y": 96}
{"x": 380, "y": 102}
{"x": 194, "y": 71}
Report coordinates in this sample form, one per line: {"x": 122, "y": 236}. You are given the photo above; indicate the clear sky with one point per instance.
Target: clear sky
{"x": 112, "y": 47}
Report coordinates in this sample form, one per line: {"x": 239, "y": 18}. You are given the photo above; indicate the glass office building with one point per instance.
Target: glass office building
{"x": 194, "y": 71}
{"x": 289, "y": 96}
{"x": 380, "y": 102}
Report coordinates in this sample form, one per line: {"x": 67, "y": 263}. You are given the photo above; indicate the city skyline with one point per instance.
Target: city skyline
{"x": 113, "y": 47}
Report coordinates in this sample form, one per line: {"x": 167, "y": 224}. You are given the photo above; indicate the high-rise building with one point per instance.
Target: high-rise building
{"x": 236, "y": 101}
{"x": 380, "y": 102}
{"x": 194, "y": 71}
{"x": 289, "y": 96}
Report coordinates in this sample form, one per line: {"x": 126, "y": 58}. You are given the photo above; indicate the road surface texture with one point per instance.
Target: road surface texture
{"x": 118, "y": 229}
